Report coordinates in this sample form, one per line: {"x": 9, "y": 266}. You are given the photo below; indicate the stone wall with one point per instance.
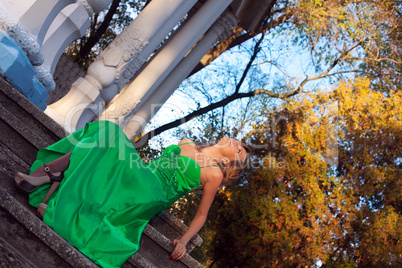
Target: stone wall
{"x": 66, "y": 73}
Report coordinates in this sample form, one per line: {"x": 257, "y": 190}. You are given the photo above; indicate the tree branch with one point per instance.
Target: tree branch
{"x": 276, "y": 66}
{"x": 324, "y": 74}
{"x": 196, "y": 113}
{"x": 214, "y": 106}
{"x": 95, "y": 37}
{"x": 377, "y": 60}
{"x": 237, "y": 95}
{"x": 222, "y": 103}
{"x": 250, "y": 62}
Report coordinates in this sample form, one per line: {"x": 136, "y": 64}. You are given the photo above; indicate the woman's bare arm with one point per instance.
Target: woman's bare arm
{"x": 209, "y": 192}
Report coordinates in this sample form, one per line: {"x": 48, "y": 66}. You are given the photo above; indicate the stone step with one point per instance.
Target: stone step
{"x": 172, "y": 228}
{"x": 39, "y": 243}
{"x": 154, "y": 252}
{"x": 25, "y": 238}
{"x": 11, "y": 257}
{"x": 161, "y": 248}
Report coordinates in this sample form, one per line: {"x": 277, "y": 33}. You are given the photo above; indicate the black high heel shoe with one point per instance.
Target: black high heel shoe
{"x": 28, "y": 184}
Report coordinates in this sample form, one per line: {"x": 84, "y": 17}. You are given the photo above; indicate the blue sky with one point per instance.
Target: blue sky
{"x": 211, "y": 84}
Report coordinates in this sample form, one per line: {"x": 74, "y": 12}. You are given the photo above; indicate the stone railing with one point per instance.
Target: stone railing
{"x": 34, "y": 34}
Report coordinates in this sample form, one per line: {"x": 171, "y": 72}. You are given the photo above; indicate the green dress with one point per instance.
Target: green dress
{"x": 108, "y": 193}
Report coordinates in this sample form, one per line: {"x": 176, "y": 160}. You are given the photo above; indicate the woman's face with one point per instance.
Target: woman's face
{"x": 232, "y": 149}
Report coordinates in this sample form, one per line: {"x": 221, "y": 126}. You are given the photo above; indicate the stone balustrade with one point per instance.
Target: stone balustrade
{"x": 34, "y": 34}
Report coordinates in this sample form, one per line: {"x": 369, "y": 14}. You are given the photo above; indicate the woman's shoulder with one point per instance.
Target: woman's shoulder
{"x": 213, "y": 178}
{"x": 216, "y": 175}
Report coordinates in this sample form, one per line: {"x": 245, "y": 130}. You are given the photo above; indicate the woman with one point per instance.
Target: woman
{"x": 103, "y": 195}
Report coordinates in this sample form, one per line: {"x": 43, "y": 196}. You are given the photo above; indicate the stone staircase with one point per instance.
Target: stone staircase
{"x": 25, "y": 241}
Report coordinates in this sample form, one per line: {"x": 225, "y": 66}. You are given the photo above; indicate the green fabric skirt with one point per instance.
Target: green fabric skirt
{"x": 108, "y": 193}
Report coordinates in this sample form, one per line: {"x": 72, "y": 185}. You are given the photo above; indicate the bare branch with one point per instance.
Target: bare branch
{"x": 376, "y": 59}
{"x": 196, "y": 113}
{"x": 95, "y": 37}
{"x": 325, "y": 74}
{"x": 216, "y": 105}
{"x": 344, "y": 72}
{"x": 250, "y": 63}
{"x": 237, "y": 95}
{"x": 336, "y": 61}
{"x": 276, "y": 95}
{"x": 276, "y": 65}
{"x": 222, "y": 103}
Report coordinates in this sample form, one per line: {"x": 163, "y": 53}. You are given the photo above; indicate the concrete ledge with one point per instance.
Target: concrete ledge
{"x": 161, "y": 248}
{"x": 11, "y": 257}
{"x": 36, "y": 227}
{"x": 26, "y": 110}
{"x": 172, "y": 228}
{"x": 139, "y": 261}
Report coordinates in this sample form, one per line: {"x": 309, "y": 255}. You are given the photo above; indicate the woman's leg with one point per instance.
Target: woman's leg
{"x": 57, "y": 165}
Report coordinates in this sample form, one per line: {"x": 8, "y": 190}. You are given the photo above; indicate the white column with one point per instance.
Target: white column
{"x": 221, "y": 29}
{"x": 35, "y": 15}
{"x": 118, "y": 63}
{"x": 71, "y": 23}
{"x": 120, "y": 109}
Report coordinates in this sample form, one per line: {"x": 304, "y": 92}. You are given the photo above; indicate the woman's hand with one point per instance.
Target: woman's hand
{"x": 179, "y": 250}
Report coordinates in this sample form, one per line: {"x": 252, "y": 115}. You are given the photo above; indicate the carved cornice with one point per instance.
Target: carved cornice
{"x": 223, "y": 27}
{"x": 43, "y": 75}
{"x": 21, "y": 37}
{"x": 124, "y": 55}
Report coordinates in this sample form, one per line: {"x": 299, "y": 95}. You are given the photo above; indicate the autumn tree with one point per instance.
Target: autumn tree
{"x": 324, "y": 187}
{"x": 305, "y": 203}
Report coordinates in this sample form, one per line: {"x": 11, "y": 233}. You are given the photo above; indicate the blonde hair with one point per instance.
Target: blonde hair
{"x": 235, "y": 169}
